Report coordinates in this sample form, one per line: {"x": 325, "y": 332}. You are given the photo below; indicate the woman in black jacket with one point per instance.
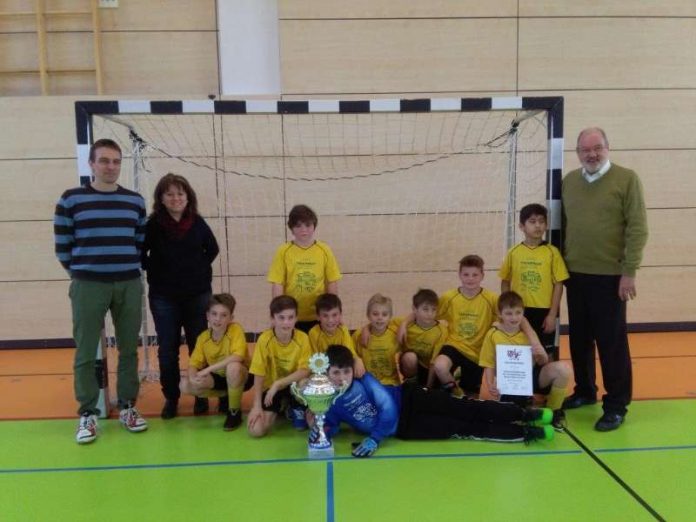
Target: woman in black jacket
{"x": 178, "y": 254}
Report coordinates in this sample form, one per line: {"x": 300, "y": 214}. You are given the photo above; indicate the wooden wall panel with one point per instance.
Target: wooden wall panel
{"x": 31, "y": 188}
{"x": 663, "y": 295}
{"x": 28, "y": 255}
{"x": 672, "y": 241}
{"x": 641, "y": 119}
{"x": 583, "y": 8}
{"x": 667, "y": 175}
{"x": 42, "y": 127}
{"x": 36, "y": 310}
{"x": 140, "y": 15}
{"x": 372, "y": 56}
{"x": 161, "y": 15}
{"x": 391, "y": 9}
{"x": 607, "y": 53}
{"x": 155, "y": 62}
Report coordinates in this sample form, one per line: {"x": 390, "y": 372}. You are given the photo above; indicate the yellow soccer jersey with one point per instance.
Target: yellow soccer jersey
{"x": 468, "y": 319}
{"x": 533, "y": 271}
{"x": 320, "y": 340}
{"x": 304, "y": 273}
{"x": 379, "y": 356}
{"x": 495, "y": 337}
{"x": 424, "y": 342}
{"x": 208, "y": 352}
{"x": 274, "y": 360}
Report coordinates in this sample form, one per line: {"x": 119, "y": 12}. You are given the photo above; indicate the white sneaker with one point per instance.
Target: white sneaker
{"x": 131, "y": 420}
{"x": 87, "y": 429}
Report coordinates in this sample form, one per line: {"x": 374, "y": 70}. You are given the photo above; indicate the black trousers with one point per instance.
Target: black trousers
{"x": 597, "y": 317}
{"x": 435, "y": 414}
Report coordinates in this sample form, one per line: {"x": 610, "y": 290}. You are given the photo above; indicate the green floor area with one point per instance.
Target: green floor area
{"x": 188, "y": 468}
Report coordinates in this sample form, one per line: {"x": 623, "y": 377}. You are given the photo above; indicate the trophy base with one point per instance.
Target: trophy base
{"x": 320, "y": 453}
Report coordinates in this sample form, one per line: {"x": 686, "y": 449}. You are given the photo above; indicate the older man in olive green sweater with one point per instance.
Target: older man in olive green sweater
{"x": 605, "y": 231}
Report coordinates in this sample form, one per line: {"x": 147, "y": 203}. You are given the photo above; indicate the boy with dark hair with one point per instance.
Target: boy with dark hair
{"x": 280, "y": 358}
{"x": 549, "y": 378}
{"x": 304, "y": 268}
{"x": 331, "y": 329}
{"x": 369, "y": 409}
{"x": 219, "y": 361}
{"x": 424, "y": 338}
{"x": 536, "y": 270}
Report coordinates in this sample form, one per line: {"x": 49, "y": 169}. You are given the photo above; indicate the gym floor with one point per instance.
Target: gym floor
{"x": 646, "y": 470}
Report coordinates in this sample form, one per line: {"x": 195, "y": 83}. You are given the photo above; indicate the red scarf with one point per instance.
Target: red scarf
{"x": 174, "y": 229}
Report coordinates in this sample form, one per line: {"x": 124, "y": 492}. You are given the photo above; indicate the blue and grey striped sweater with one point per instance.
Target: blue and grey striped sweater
{"x": 99, "y": 235}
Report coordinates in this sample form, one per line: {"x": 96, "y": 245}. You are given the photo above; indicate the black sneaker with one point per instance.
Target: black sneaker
{"x": 223, "y": 404}
{"x": 233, "y": 420}
{"x": 537, "y": 416}
{"x": 201, "y": 406}
{"x": 169, "y": 410}
{"x": 559, "y": 422}
{"x": 538, "y": 433}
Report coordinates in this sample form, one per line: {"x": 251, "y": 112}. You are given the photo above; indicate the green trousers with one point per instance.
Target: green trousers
{"x": 90, "y": 301}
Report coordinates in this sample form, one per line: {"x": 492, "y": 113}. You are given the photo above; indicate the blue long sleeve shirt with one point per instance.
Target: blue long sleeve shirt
{"x": 367, "y": 407}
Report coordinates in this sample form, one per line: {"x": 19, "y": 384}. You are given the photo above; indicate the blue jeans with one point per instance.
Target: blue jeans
{"x": 170, "y": 316}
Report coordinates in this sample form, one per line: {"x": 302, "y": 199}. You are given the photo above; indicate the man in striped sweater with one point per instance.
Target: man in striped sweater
{"x": 99, "y": 232}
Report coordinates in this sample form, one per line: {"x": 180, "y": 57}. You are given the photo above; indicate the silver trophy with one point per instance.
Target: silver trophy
{"x": 318, "y": 394}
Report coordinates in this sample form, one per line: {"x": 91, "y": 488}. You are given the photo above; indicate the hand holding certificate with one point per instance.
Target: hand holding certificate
{"x": 514, "y": 369}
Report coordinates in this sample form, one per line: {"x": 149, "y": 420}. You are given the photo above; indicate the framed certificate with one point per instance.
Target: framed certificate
{"x": 514, "y": 369}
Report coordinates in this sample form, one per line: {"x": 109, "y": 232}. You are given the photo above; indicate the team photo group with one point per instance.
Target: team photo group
{"x": 418, "y": 376}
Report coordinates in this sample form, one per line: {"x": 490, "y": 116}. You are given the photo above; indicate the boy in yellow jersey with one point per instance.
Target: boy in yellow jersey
{"x": 219, "y": 362}
{"x": 423, "y": 339}
{"x": 536, "y": 270}
{"x": 281, "y": 357}
{"x": 549, "y": 378}
{"x": 379, "y": 352}
{"x": 304, "y": 268}
{"x": 331, "y": 330}
{"x": 470, "y": 311}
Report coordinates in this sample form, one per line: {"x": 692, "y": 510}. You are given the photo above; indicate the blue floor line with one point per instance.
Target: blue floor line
{"x": 647, "y": 448}
{"x": 334, "y": 459}
{"x": 329, "y": 492}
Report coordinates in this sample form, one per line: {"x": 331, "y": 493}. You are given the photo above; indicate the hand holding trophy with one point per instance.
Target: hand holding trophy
{"x": 318, "y": 394}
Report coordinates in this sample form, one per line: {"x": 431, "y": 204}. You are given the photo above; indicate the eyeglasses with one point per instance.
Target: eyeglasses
{"x": 596, "y": 149}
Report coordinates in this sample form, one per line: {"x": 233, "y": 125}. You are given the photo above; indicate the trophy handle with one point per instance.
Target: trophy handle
{"x": 343, "y": 389}
{"x": 297, "y": 394}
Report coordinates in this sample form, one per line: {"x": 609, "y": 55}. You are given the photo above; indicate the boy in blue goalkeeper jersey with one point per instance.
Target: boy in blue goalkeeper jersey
{"x": 367, "y": 407}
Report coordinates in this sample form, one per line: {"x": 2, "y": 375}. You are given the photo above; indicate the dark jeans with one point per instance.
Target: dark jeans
{"x": 597, "y": 315}
{"x": 170, "y": 316}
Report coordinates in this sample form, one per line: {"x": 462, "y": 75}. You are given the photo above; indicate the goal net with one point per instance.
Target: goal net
{"x": 402, "y": 189}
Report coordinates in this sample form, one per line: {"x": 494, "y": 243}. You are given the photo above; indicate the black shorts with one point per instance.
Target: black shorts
{"x": 220, "y": 382}
{"x": 421, "y": 372}
{"x": 536, "y": 317}
{"x": 281, "y": 401}
{"x": 471, "y": 372}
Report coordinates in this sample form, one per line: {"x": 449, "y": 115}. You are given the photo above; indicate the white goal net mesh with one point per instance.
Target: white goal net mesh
{"x": 401, "y": 197}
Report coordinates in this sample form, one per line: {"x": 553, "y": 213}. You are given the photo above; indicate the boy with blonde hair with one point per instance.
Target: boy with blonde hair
{"x": 304, "y": 268}
{"x": 219, "y": 362}
{"x": 536, "y": 271}
{"x": 549, "y": 378}
{"x": 379, "y": 352}
{"x": 281, "y": 357}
